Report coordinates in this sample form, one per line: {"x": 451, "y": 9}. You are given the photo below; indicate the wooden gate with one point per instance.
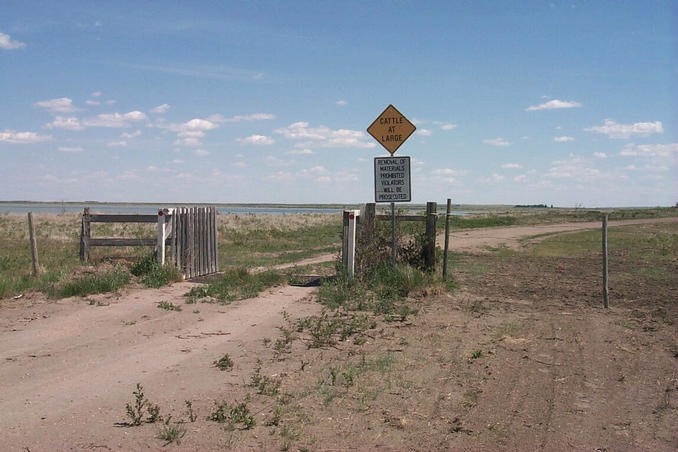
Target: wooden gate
{"x": 193, "y": 240}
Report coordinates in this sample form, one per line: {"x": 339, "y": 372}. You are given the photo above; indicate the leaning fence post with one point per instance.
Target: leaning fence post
{"x": 430, "y": 252}
{"x": 34, "y": 244}
{"x": 606, "y": 300}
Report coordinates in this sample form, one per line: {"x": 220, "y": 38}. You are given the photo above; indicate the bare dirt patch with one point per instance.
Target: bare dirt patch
{"x": 521, "y": 357}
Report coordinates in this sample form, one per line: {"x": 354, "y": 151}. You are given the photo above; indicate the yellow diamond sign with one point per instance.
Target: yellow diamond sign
{"x": 391, "y": 129}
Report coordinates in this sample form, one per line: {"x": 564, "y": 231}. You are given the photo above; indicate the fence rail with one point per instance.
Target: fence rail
{"x": 189, "y": 232}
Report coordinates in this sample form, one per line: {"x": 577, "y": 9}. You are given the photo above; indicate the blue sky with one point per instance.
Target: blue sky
{"x": 566, "y": 103}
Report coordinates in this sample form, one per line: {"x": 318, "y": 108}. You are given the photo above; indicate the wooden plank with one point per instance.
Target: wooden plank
{"x": 123, "y": 218}
{"x": 216, "y": 241}
{"x": 402, "y": 217}
{"x": 191, "y": 244}
{"x": 119, "y": 241}
{"x": 211, "y": 244}
{"x": 201, "y": 239}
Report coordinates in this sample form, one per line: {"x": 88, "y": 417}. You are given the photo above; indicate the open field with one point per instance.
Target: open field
{"x": 520, "y": 356}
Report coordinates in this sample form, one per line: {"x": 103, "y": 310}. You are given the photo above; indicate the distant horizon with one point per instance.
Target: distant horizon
{"x": 334, "y": 204}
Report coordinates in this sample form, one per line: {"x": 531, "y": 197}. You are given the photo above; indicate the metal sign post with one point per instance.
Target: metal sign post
{"x": 392, "y": 174}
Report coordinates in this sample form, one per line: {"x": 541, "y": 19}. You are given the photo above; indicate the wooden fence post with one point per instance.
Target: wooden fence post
{"x": 344, "y": 240}
{"x": 447, "y": 237}
{"x": 430, "y": 251}
{"x": 34, "y": 244}
{"x": 85, "y": 236}
{"x": 606, "y": 300}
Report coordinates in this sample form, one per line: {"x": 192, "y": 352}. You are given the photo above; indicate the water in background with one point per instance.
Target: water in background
{"x": 150, "y": 209}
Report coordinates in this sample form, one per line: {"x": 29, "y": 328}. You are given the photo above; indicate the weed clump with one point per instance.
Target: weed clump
{"x": 152, "y": 274}
{"x": 237, "y": 284}
{"x": 224, "y": 363}
{"x": 232, "y": 416}
{"x": 141, "y": 404}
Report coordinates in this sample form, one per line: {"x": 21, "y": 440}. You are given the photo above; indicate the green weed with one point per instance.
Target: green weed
{"x": 109, "y": 281}
{"x": 232, "y": 416}
{"x": 224, "y": 363}
{"x": 141, "y": 404}
{"x": 167, "y": 306}
{"x": 237, "y": 284}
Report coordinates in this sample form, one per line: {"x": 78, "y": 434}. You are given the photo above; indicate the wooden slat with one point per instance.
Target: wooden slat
{"x": 123, "y": 218}
{"x": 119, "y": 241}
{"x": 216, "y": 242}
{"x": 403, "y": 217}
{"x": 203, "y": 244}
{"x": 210, "y": 245}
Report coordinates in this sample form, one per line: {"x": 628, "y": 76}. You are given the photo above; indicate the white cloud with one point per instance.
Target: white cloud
{"x": 60, "y": 105}
{"x": 499, "y": 142}
{"x": 424, "y": 132}
{"x": 256, "y": 139}
{"x": 131, "y": 135}
{"x": 117, "y": 144}
{"x": 511, "y": 165}
{"x": 63, "y": 122}
{"x": 493, "y": 179}
{"x": 323, "y": 136}
{"x": 115, "y": 120}
{"x": 614, "y": 130}
{"x": 70, "y": 149}
{"x": 241, "y": 118}
{"x": 520, "y": 178}
{"x": 281, "y": 176}
{"x": 573, "y": 168}
{"x": 341, "y": 102}
{"x": 554, "y": 105}
{"x": 300, "y": 152}
{"x": 201, "y": 152}
{"x": 8, "y": 43}
{"x": 96, "y": 94}
{"x": 649, "y": 150}
{"x": 275, "y": 161}
{"x": 448, "y": 172}
{"x": 448, "y": 126}
{"x": 14, "y": 137}
{"x": 177, "y": 161}
{"x": 563, "y": 139}
{"x": 647, "y": 168}
{"x": 190, "y": 132}
{"x": 239, "y": 164}
{"x": 314, "y": 172}
{"x": 92, "y": 102}
{"x": 600, "y": 155}
{"x": 160, "y": 108}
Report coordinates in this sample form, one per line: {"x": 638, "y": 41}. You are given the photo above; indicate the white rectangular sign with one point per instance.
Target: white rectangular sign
{"x": 392, "y": 179}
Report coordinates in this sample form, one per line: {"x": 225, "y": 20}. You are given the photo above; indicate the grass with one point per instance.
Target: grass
{"x": 152, "y": 274}
{"x": 237, "y": 284}
{"x": 657, "y": 242}
{"x": 107, "y": 281}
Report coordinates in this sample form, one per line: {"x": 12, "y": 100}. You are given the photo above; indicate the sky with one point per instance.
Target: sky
{"x": 565, "y": 103}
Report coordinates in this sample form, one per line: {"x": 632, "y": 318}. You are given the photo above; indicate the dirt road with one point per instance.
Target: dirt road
{"x": 477, "y": 240}
{"x": 521, "y": 357}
